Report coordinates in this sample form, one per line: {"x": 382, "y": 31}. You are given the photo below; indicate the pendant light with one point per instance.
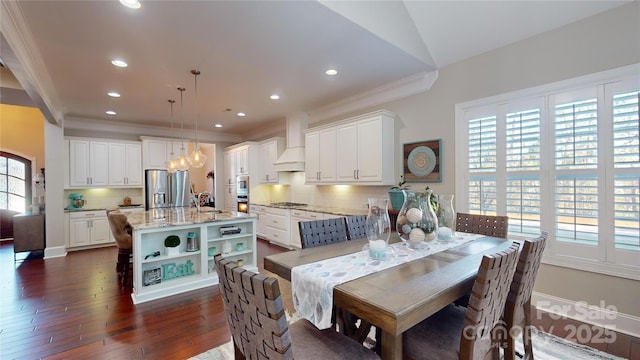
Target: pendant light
{"x": 182, "y": 163}
{"x": 197, "y": 158}
{"x": 172, "y": 163}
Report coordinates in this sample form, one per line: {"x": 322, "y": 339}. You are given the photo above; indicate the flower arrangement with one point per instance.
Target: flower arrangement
{"x": 210, "y": 175}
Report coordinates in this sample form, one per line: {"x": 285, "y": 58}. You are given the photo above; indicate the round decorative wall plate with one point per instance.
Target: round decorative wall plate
{"x": 421, "y": 161}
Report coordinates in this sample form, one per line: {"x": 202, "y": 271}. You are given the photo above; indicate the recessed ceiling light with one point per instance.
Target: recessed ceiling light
{"x": 134, "y": 4}
{"x": 119, "y": 63}
{"x": 218, "y": 125}
{"x": 331, "y": 72}
{"x": 241, "y": 114}
{"x": 275, "y": 97}
{"x": 110, "y": 112}
{"x": 113, "y": 94}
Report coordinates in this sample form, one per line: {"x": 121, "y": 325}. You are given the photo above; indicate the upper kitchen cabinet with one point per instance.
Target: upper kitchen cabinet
{"x": 88, "y": 163}
{"x": 358, "y": 150}
{"x": 270, "y": 150}
{"x": 156, "y": 152}
{"x": 320, "y": 156}
{"x": 125, "y": 164}
{"x": 240, "y": 159}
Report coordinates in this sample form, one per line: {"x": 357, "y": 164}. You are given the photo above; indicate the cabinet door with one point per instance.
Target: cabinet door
{"x": 230, "y": 167}
{"x": 312, "y": 157}
{"x": 155, "y": 154}
{"x": 268, "y": 155}
{"x": 230, "y": 198}
{"x": 117, "y": 164}
{"x": 133, "y": 164}
{"x": 98, "y": 163}
{"x": 328, "y": 156}
{"x": 78, "y": 163}
{"x": 347, "y": 147}
{"x": 79, "y": 234}
{"x": 99, "y": 229}
{"x": 242, "y": 161}
{"x": 369, "y": 150}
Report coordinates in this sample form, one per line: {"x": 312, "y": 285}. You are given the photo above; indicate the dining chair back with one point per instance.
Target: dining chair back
{"x": 517, "y": 311}
{"x": 255, "y": 313}
{"x": 315, "y": 233}
{"x": 497, "y": 226}
{"x": 470, "y": 331}
{"x": 122, "y": 233}
{"x": 356, "y": 227}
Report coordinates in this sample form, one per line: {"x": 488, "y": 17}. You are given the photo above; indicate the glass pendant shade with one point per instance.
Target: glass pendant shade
{"x": 197, "y": 158}
{"x": 171, "y": 163}
{"x": 182, "y": 163}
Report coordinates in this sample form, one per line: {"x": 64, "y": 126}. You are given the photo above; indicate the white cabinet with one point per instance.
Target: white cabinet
{"x": 269, "y": 152}
{"x": 356, "y": 150}
{"x": 242, "y": 160}
{"x": 156, "y": 152}
{"x": 164, "y": 275}
{"x": 125, "y": 164}
{"x": 366, "y": 148}
{"x": 89, "y": 228}
{"x": 277, "y": 225}
{"x": 88, "y": 163}
{"x": 261, "y": 223}
{"x": 229, "y": 168}
{"x": 230, "y": 198}
{"x": 320, "y": 156}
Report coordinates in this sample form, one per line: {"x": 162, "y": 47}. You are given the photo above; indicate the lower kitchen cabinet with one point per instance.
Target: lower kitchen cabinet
{"x": 302, "y": 215}
{"x": 261, "y": 224}
{"x": 89, "y": 229}
{"x": 277, "y": 226}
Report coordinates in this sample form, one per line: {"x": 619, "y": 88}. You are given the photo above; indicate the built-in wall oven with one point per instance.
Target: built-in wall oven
{"x": 242, "y": 193}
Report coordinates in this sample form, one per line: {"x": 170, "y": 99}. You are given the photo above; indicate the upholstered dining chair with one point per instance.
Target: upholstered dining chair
{"x": 497, "y": 226}
{"x": 255, "y": 312}
{"x": 356, "y": 226}
{"x": 121, "y": 230}
{"x": 517, "y": 311}
{"x": 315, "y": 233}
{"x": 453, "y": 333}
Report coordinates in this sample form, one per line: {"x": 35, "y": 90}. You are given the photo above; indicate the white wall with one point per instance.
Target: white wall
{"x": 603, "y": 42}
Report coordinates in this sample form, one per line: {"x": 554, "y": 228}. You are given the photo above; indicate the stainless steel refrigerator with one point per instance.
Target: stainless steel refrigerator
{"x": 164, "y": 190}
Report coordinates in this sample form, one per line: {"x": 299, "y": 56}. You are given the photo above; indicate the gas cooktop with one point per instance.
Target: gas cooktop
{"x": 287, "y": 204}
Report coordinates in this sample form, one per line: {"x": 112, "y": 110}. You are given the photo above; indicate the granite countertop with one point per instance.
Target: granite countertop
{"x": 137, "y": 206}
{"x": 158, "y": 218}
{"x": 321, "y": 209}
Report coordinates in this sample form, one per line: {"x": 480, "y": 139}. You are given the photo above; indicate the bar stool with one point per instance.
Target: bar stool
{"x": 121, "y": 230}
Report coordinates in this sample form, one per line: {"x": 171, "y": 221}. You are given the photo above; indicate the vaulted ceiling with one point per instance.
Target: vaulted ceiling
{"x": 60, "y": 51}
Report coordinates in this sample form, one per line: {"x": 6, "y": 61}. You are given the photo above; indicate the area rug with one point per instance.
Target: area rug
{"x": 545, "y": 347}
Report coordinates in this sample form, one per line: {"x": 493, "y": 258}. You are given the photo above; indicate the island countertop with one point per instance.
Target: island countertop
{"x": 158, "y": 218}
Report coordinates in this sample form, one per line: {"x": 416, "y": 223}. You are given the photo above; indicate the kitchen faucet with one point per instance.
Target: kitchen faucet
{"x": 197, "y": 200}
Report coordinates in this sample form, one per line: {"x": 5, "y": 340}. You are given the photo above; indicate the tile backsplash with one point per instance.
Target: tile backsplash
{"x": 105, "y": 198}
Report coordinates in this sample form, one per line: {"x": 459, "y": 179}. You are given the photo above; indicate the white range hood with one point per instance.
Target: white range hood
{"x": 292, "y": 159}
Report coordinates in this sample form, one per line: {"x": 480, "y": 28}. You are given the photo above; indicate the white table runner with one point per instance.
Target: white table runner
{"x": 313, "y": 283}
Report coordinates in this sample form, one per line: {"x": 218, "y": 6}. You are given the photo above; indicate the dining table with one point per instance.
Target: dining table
{"x": 399, "y": 297}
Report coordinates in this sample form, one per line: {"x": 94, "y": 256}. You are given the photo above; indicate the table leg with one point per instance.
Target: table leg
{"x": 391, "y": 346}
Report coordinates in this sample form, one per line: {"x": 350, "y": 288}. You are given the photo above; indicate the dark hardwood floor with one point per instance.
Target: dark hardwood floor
{"x": 73, "y": 308}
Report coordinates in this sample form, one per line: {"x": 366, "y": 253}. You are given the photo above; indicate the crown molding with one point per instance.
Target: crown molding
{"x": 21, "y": 56}
{"x": 112, "y": 127}
{"x": 408, "y": 86}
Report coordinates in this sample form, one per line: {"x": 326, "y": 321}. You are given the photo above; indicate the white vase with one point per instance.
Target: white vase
{"x": 173, "y": 251}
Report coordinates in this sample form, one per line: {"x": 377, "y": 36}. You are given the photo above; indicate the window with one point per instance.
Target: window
{"x": 15, "y": 182}
{"x": 564, "y": 158}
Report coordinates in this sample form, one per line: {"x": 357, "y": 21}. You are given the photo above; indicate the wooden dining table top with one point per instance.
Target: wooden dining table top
{"x": 397, "y": 298}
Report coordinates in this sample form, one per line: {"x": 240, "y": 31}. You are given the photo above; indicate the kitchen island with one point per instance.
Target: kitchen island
{"x": 158, "y": 273}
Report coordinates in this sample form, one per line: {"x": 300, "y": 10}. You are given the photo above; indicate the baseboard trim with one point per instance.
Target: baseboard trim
{"x": 604, "y": 315}
{"x": 54, "y": 252}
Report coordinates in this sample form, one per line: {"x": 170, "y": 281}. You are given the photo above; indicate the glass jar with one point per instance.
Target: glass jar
{"x": 446, "y": 214}
{"x": 378, "y": 227}
{"x": 417, "y": 222}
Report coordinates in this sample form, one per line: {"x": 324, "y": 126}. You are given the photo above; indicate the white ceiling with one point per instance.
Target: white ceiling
{"x": 248, "y": 50}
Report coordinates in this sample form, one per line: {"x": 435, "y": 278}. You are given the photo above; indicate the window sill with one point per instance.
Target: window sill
{"x": 627, "y": 272}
